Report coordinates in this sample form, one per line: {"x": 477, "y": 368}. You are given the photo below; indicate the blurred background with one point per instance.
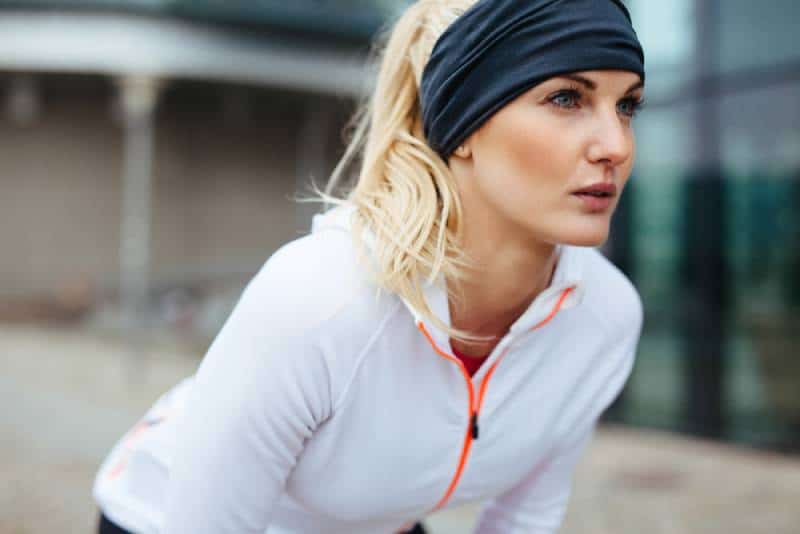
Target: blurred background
{"x": 150, "y": 152}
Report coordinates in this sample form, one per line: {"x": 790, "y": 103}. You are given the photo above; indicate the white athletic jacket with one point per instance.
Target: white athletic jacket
{"x": 326, "y": 407}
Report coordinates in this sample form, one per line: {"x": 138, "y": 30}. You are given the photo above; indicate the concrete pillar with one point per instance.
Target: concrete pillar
{"x": 137, "y": 101}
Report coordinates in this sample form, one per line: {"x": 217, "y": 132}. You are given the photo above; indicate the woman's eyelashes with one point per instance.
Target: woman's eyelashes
{"x": 634, "y": 104}
{"x": 565, "y": 98}
{"x": 570, "y": 98}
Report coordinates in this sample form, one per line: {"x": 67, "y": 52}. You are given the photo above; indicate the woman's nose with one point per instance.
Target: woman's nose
{"x": 612, "y": 140}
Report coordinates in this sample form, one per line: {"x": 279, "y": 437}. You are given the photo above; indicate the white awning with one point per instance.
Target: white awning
{"x": 119, "y": 44}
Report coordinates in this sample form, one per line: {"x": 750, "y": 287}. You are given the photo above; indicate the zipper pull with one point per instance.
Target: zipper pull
{"x": 474, "y": 425}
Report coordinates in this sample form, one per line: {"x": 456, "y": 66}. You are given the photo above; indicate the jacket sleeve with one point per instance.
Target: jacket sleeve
{"x": 259, "y": 394}
{"x": 537, "y": 504}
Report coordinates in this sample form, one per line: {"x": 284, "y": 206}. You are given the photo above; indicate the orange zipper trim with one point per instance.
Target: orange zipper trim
{"x": 133, "y": 436}
{"x": 555, "y": 309}
{"x": 475, "y": 407}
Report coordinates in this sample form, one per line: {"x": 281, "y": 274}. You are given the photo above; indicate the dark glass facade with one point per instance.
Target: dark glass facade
{"x": 710, "y": 231}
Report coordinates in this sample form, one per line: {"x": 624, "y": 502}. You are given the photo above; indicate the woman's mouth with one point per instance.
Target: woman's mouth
{"x": 597, "y": 197}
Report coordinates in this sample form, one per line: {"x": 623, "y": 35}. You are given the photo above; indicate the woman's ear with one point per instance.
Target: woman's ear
{"x": 463, "y": 151}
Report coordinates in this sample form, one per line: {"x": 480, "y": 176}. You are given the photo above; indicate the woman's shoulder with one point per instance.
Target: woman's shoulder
{"x": 313, "y": 277}
{"x": 612, "y": 313}
{"x": 324, "y": 255}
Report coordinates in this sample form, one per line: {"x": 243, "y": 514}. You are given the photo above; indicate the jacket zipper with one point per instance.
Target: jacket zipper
{"x": 475, "y": 403}
{"x": 472, "y": 431}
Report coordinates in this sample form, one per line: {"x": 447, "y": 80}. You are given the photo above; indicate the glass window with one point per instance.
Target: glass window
{"x": 666, "y": 31}
{"x": 655, "y": 392}
{"x": 755, "y": 225}
{"x": 758, "y": 34}
{"x": 761, "y": 156}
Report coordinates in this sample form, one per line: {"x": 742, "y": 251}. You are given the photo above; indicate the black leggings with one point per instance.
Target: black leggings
{"x": 105, "y": 526}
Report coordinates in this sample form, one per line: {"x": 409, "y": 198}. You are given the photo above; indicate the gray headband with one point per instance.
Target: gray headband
{"x": 498, "y": 49}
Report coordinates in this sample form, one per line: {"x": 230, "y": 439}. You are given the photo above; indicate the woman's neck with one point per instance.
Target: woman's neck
{"x": 509, "y": 276}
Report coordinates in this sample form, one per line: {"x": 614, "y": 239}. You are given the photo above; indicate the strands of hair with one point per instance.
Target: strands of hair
{"x": 404, "y": 193}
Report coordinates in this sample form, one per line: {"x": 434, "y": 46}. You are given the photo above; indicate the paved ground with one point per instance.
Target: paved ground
{"x": 68, "y": 395}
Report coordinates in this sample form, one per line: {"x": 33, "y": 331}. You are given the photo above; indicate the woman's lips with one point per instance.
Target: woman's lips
{"x": 595, "y": 203}
{"x": 597, "y": 197}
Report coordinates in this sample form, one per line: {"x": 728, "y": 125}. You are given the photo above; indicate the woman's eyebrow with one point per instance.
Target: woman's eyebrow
{"x": 635, "y": 86}
{"x": 592, "y": 86}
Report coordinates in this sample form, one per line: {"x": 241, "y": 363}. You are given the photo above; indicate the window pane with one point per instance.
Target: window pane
{"x": 758, "y": 34}
{"x": 761, "y": 154}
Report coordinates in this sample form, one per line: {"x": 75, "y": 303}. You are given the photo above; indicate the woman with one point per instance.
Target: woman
{"x": 447, "y": 333}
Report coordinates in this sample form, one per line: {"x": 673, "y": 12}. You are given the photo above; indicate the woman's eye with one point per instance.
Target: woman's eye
{"x": 570, "y": 98}
{"x": 631, "y": 106}
{"x": 565, "y": 99}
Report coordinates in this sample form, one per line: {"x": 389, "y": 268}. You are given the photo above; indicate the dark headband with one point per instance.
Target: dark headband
{"x": 498, "y": 49}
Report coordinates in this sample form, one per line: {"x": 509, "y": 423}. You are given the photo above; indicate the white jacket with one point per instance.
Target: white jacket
{"x": 325, "y": 407}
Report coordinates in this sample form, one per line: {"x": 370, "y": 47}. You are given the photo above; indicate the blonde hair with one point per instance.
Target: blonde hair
{"x": 405, "y": 194}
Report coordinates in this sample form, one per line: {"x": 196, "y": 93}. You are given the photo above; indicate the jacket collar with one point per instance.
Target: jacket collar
{"x": 566, "y": 289}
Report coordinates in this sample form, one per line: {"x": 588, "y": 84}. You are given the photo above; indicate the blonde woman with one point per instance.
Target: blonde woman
{"x": 447, "y": 333}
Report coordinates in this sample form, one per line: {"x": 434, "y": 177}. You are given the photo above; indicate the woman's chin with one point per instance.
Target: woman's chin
{"x": 594, "y": 235}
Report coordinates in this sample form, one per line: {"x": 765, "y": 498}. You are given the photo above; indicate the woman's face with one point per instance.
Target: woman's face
{"x": 525, "y": 167}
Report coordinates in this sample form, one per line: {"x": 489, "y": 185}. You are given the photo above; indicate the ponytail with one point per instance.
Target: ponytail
{"x": 405, "y": 194}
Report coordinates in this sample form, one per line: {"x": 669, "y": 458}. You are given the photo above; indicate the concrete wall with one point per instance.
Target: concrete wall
{"x": 225, "y": 166}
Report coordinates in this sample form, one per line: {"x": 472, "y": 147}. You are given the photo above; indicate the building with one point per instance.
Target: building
{"x": 147, "y": 143}
{"x": 710, "y": 232}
